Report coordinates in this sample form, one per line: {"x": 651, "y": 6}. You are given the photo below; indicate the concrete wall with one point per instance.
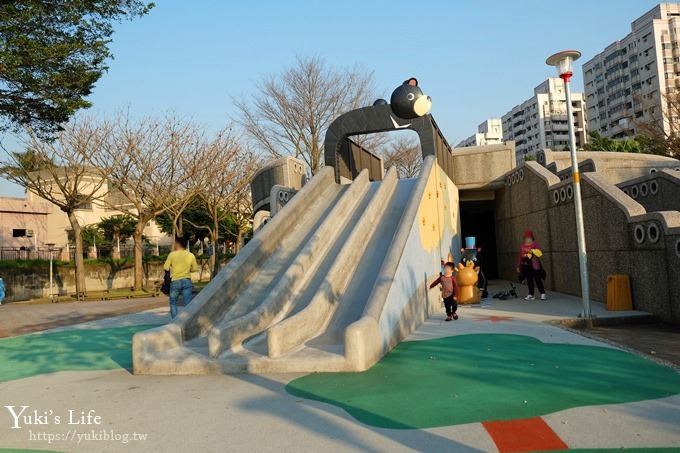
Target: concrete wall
{"x": 614, "y": 167}
{"x": 536, "y": 199}
{"x": 657, "y": 191}
{"x": 25, "y": 284}
{"x": 400, "y": 300}
{"x": 479, "y": 166}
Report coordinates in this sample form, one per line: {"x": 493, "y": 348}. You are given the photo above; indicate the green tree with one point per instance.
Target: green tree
{"x": 194, "y": 214}
{"x": 92, "y": 236}
{"x": 51, "y": 55}
{"x": 598, "y": 142}
{"x": 117, "y": 228}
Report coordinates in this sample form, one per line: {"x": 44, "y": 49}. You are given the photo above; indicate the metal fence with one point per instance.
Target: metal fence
{"x": 104, "y": 251}
{"x": 26, "y": 253}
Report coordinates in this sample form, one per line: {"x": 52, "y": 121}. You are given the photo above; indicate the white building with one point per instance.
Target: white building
{"x": 625, "y": 83}
{"x": 58, "y": 225}
{"x": 541, "y": 121}
{"x": 490, "y": 132}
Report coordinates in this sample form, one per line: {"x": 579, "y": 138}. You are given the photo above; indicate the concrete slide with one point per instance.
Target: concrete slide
{"x": 331, "y": 283}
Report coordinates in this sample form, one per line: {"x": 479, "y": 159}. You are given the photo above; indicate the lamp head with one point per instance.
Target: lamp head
{"x": 563, "y": 62}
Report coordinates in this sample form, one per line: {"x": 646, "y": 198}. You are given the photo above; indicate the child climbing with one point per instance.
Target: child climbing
{"x": 449, "y": 289}
{"x": 529, "y": 265}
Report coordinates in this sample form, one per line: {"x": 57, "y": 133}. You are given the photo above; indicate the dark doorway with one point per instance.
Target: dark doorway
{"x": 477, "y": 219}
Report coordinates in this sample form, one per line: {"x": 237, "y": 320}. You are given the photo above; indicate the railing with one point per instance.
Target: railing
{"x": 26, "y": 253}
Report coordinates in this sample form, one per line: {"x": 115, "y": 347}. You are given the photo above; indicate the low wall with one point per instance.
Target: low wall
{"x": 25, "y": 284}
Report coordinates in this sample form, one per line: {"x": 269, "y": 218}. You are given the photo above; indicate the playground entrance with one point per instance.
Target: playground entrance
{"x": 477, "y": 219}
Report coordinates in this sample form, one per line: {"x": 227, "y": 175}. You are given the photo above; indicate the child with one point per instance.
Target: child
{"x": 529, "y": 265}
{"x": 449, "y": 290}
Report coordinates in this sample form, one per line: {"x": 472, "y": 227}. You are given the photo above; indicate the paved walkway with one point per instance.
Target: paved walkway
{"x": 20, "y": 318}
{"x": 661, "y": 341}
{"x": 257, "y": 413}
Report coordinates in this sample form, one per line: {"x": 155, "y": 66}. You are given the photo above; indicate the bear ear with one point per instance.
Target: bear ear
{"x": 412, "y": 81}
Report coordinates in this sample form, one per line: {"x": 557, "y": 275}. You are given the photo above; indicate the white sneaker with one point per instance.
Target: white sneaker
{"x": 530, "y": 297}
{"x": 544, "y": 297}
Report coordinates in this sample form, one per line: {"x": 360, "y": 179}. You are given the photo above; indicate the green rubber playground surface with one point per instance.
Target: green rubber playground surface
{"x": 40, "y": 353}
{"x": 484, "y": 377}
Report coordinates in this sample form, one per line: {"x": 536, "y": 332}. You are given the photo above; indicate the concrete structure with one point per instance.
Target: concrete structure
{"x": 490, "y": 132}
{"x": 622, "y": 236}
{"x": 613, "y": 167}
{"x": 340, "y": 275}
{"x": 541, "y": 121}
{"x": 346, "y": 284}
{"x": 24, "y": 223}
{"x": 625, "y": 84}
{"x": 273, "y": 185}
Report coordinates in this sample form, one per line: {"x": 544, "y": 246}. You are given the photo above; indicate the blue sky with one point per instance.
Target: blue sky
{"x": 476, "y": 59}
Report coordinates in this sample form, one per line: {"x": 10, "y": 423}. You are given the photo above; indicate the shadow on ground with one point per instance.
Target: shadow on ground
{"x": 73, "y": 350}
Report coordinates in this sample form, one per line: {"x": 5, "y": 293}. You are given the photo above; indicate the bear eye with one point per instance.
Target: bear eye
{"x": 410, "y": 96}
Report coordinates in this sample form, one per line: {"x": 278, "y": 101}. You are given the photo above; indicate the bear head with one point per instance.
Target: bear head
{"x": 408, "y": 100}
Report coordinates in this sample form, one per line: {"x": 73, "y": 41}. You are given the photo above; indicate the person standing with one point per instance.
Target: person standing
{"x": 181, "y": 263}
{"x": 529, "y": 265}
{"x": 449, "y": 290}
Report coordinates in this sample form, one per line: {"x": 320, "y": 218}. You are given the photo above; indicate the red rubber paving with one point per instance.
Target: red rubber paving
{"x": 523, "y": 435}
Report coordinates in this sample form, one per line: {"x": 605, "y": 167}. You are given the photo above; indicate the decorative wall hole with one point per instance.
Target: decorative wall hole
{"x": 285, "y": 196}
{"x": 653, "y": 233}
{"x": 514, "y": 178}
{"x": 652, "y": 170}
{"x": 626, "y": 191}
{"x": 556, "y": 196}
{"x": 570, "y": 192}
{"x": 281, "y": 196}
{"x": 634, "y": 192}
{"x": 677, "y": 168}
{"x": 508, "y": 180}
{"x": 654, "y": 187}
{"x": 521, "y": 174}
{"x": 677, "y": 248}
{"x": 639, "y": 234}
{"x": 644, "y": 190}
{"x": 563, "y": 194}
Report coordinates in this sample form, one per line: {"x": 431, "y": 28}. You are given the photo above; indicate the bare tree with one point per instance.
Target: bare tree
{"x": 290, "y": 112}
{"x": 225, "y": 187}
{"x": 180, "y": 197}
{"x": 59, "y": 171}
{"x": 404, "y": 153}
{"x": 659, "y": 128}
{"x": 146, "y": 163}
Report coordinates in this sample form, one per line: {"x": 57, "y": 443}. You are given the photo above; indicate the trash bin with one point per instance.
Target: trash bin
{"x": 618, "y": 293}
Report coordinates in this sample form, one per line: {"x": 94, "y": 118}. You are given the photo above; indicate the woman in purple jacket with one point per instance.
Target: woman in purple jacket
{"x": 529, "y": 265}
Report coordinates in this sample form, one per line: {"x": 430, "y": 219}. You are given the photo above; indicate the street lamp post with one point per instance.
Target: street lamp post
{"x": 563, "y": 62}
{"x": 50, "y": 248}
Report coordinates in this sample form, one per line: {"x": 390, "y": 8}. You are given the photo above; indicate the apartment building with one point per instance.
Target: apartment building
{"x": 490, "y": 132}
{"x": 626, "y": 83}
{"x": 541, "y": 121}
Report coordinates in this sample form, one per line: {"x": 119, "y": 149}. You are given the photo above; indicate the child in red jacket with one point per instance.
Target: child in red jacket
{"x": 449, "y": 289}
